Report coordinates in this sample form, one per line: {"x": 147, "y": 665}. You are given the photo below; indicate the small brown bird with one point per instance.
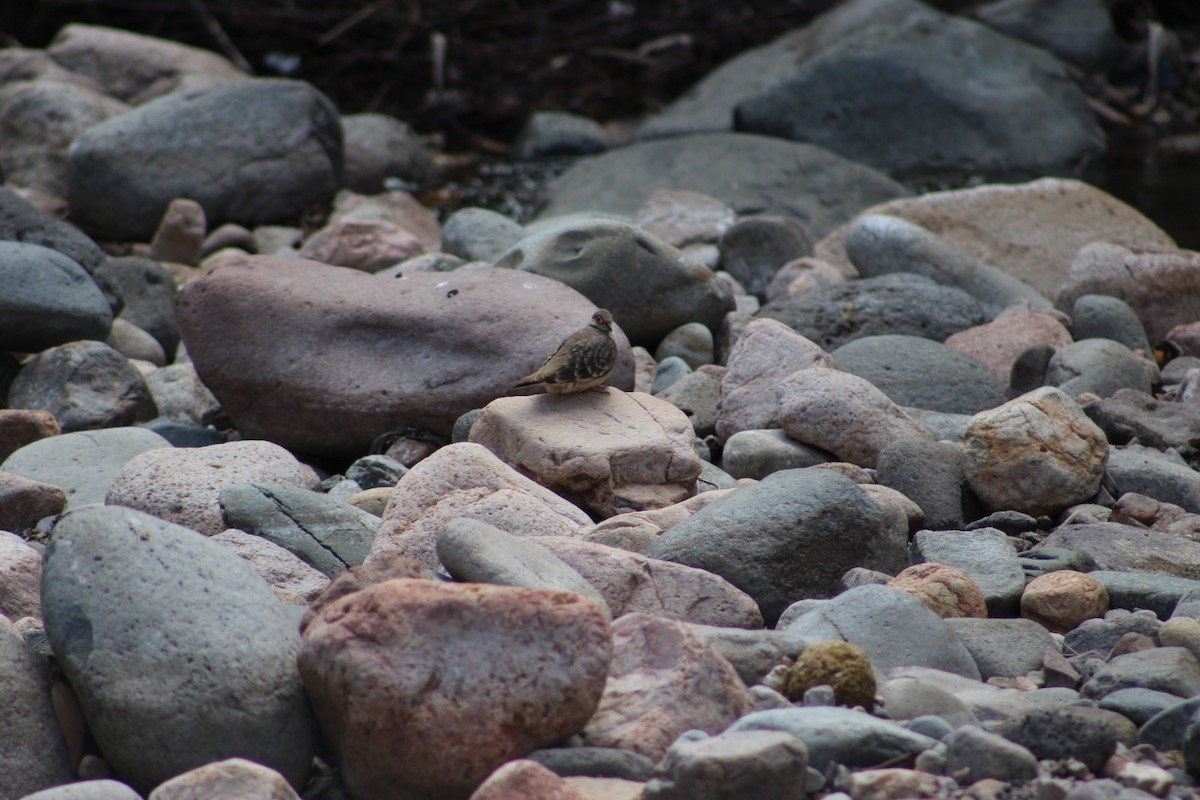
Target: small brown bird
{"x": 583, "y": 361}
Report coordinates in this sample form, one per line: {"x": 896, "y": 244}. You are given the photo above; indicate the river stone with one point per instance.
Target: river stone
{"x": 468, "y": 334}
{"x": 931, "y": 474}
{"x": 1087, "y": 734}
{"x": 48, "y": 300}
{"x": 899, "y": 303}
{"x": 1130, "y": 414}
{"x": 915, "y": 371}
{"x": 1162, "y": 475}
{"x": 147, "y": 291}
{"x": 1037, "y": 454}
{"x": 893, "y": 627}
{"x": 178, "y": 651}
{"x": 985, "y": 555}
{"x": 736, "y": 763}
{"x": 999, "y": 343}
{"x": 608, "y": 451}
{"x": 698, "y": 395}
{"x": 1101, "y": 367}
{"x": 1113, "y": 546}
{"x": 878, "y": 244}
{"x": 1080, "y": 32}
{"x": 291, "y": 577}
{"x": 754, "y": 248}
{"x": 85, "y": 385}
{"x": 650, "y": 286}
{"x": 455, "y": 661}
{"x": 251, "y": 151}
{"x": 1098, "y": 316}
{"x": 1006, "y": 648}
{"x": 1162, "y": 594}
{"x": 792, "y": 535}
{"x": 21, "y": 221}
{"x": 757, "y": 453}
{"x": 378, "y": 147}
{"x": 839, "y": 735}
{"x": 183, "y": 485}
{"x": 327, "y": 534}
{"x": 750, "y": 174}
{"x": 1165, "y": 669}
{"x": 83, "y": 464}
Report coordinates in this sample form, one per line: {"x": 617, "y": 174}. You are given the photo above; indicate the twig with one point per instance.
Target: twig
{"x": 218, "y": 33}
{"x": 350, "y": 21}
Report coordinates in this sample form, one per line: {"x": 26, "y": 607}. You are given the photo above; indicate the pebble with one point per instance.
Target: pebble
{"x": 755, "y": 247}
{"x": 1064, "y": 599}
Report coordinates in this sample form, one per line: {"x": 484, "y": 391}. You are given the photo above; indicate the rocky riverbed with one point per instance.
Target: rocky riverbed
{"x": 890, "y": 494}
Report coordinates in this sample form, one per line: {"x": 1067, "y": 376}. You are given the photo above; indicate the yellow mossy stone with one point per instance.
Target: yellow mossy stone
{"x": 842, "y": 665}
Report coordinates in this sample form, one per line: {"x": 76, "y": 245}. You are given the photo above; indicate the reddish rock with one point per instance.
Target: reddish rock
{"x": 365, "y": 245}
{"x": 180, "y": 235}
{"x": 636, "y": 530}
{"x": 945, "y": 590}
{"x": 664, "y": 680}
{"x": 416, "y": 352}
{"x": 233, "y": 777}
{"x": 997, "y": 344}
{"x": 459, "y": 678}
{"x": 526, "y": 780}
{"x": 20, "y": 578}
{"x": 1062, "y": 600}
{"x": 23, "y": 501}
{"x": 19, "y": 427}
{"x": 400, "y": 208}
{"x": 801, "y": 274}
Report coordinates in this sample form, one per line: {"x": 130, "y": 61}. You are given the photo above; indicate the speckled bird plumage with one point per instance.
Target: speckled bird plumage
{"x": 583, "y": 361}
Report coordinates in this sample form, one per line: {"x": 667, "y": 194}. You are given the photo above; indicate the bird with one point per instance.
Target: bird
{"x": 583, "y": 361}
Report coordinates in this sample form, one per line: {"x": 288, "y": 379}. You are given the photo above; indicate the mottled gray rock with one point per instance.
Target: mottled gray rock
{"x": 478, "y": 234}
{"x": 1099, "y": 316}
{"x": 48, "y": 300}
{"x": 147, "y": 292}
{"x": 988, "y": 755}
{"x": 1166, "y": 730}
{"x": 1139, "y": 705}
{"x": 670, "y": 371}
{"x": 692, "y": 341}
{"x": 915, "y": 371}
{"x": 21, "y": 221}
{"x": 1006, "y": 648}
{"x": 1113, "y": 546}
{"x": 839, "y": 735}
{"x": 1099, "y": 366}
{"x": 1078, "y": 31}
{"x": 985, "y": 555}
{"x": 894, "y": 628}
{"x": 556, "y": 133}
{"x": 762, "y": 763}
{"x": 753, "y": 653}
{"x": 1164, "y": 669}
{"x": 931, "y": 474}
{"x": 943, "y": 426}
{"x": 1162, "y": 475}
{"x": 1148, "y": 590}
{"x": 378, "y": 147}
{"x": 899, "y": 303}
{"x": 1132, "y": 414}
{"x": 790, "y": 536}
{"x": 596, "y": 762}
{"x": 85, "y": 385}
{"x": 697, "y": 395}
{"x": 650, "y": 286}
{"x": 372, "y": 471}
{"x": 202, "y": 655}
{"x": 754, "y": 249}
{"x": 1101, "y": 635}
{"x": 1087, "y": 734}
{"x": 758, "y": 453}
{"x": 878, "y": 245}
{"x": 249, "y": 151}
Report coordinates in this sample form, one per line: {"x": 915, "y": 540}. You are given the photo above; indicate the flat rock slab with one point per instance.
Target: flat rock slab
{"x": 416, "y": 352}
{"x": 610, "y": 451}
{"x": 1126, "y": 547}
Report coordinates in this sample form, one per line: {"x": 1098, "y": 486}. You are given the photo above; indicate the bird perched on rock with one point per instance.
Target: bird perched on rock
{"x": 583, "y": 361}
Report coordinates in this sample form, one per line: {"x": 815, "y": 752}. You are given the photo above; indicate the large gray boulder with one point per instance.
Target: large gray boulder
{"x": 252, "y": 151}
{"x": 48, "y": 300}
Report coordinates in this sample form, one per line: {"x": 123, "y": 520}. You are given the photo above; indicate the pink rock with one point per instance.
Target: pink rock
{"x": 180, "y": 235}
{"x": 525, "y": 780}
{"x": 664, "y": 680}
{"x": 23, "y": 501}
{"x": 893, "y": 784}
{"x": 365, "y": 245}
{"x": 233, "y": 777}
{"x": 459, "y": 678}
{"x": 945, "y": 590}
{"x": 636, "y": 530}
{"x": 20, "y": 578}
{"x": 400, "y": 208}
{"x": 19, "y": 427}
{"x": 1062, "y": 600}
{"x": 281, "y": 568}
{"x": 467, "y": 480}
{"x": 998, "y": 343}
{"x": 416, "y": 352}
{"x": 801, "y": 274}
{"x": 766, "y": 353}
{"x": 1185, "y": 337}
{"x": 684, "y": 218}
{"x": 844, "y": 414}
{"x": 609, "y": 451}
{"x": 632, "y": 583}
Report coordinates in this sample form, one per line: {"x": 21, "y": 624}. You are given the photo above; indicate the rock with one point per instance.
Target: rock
{"x": 286, "y": 572}
{"x": 20, "y": 578}
{"x": 898, "y": 303}
{"x": 842, "y": 666}
{"x": 134, "y": 343}
{"x": 467, "y": 480}
{"x": 184, "y": 433}
{"x": 1081, "y": 33}
{"x": 475, "y": 552}
{"x": 395, "y": 207}
{"x": 697, "y": 395}
{"x": 20, "y": 221}
{"x": 179, "y": 393}
{"x": 228, "y": 778}
{"x": 915, "y": 371}
{"x": 87, "y": 789}
{"x": 790, "y": 536}
{"x": 764, "y": 763}
{"x": 1164, "y": 669}
{"x": 1098, "y": 316}
{"x": 376, "y": 470}
{"x": 33, "y": 753}
{"x": 180, "y": 235}
{"x": 663, "y": 681}
{"x": 479, "y": 234}
{"x": 183, "y": 485}
{"x": 248, "y": 151}
{"x": 85, "y": 385}
{"x": 83, "y": 464}
{"x": 635, "y": 530}
{"x": 672, "y": 370}
{"x": 608, "y": 451}
{"x": 228, "y": 235}
{"x": 881, "y": 784}
{"x": 20, "y": 427}
{"x": 523, "y": 778}
{"x": 839, "y": 735}
{"x": 1037, "y": 454}
{"x": 23, "y": 502}
{"x": 766, "y": 353}
{"x": 378, "y": 147}
{"x": 556, "y": 133}
{"x": 367, "y": 245}
{"x": 891, "y": 626}
{"x": 945, "y": 590}
{"x": 843, "y": 414}
{"x": 325, "y": 533}
{"x": 632, "y": 583}
{"x": 693, "y": 342}
{"x": 455, "y": 660}
{"x": 987, "y": 755}
{"x": 650, "y": 286}
{"x": 1099, "y": 366}
{"x": 1113, "y": 546}
{"x": 757, "y": 453}
{"x": 1061, "y": 600}
{"x": 1163, "y": 476}
{"x": 203, "y": 655}
{"x": 908, "y": 698}
{"x": 1005, "y": 648}
{"x": 1139, "y": 705}
{"x": 1163, "y": 595}
{"x": 49, "y": 299}
{"x": 684, "y": 218}
{"x": 985, "y": 555}
{"x": 147, "y": 290}
{"x": 932, "y": 475}
{"x": 878, "y": 244}
{"x": 999, "y": 343}
{"x": 750, "y": 174}
{"x": 1181, "y": 632}
{"x": 1129, "y": 414}
{"x": 754, "y": 248}
{"x": 1167, "y": 729}
{"x": 136, "y": 68}
{"x": 1087, "y": 734}
{"x": 470, "y": 334}
{"x": 599, "y": 762}
{"x": 753, "y": 653}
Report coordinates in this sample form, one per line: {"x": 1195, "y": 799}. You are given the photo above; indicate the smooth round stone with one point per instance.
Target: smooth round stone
{"x": 378, "y": 147}
{"x": 1007, "y": 648}
{"x": 1144, "y": 590}
{"x": 373, "y": 471}
{"x": 670, "y": 370}
{"x": 1139, "y": 705}
{"x": 595, "y": 762}
{"x": 48, "y": 300}
{"x": 1099, "y": 366}
{"x": 556, "y": 133}
{"x": 1101, "y": 316}
{"x": 758, "y": 453}
{"x": 1101, "y": 635}
{"x": 1061, "y": 600}
{"x": 755, "y": 247}
{"x": 184, "y": 433}
{"x": 479, "y": 234}
{"x": 693, "y": 342}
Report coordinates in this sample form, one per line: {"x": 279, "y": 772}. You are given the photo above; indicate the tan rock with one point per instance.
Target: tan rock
{"x": 460, "y": 678}
{"x": 663, "y": 681}
{"x": 892, "y": 784}
{"x": 945, "y": 590}
{"x": 525, "y": 780}
{"x": 281, "y": 568}
{"x": 467, "y": 480}
{"x": 1062, "y": 600}
{"x": 766, "y": 353}
{"x": 636, "y": 530}
{"x": 801, "y": 274}
{"x": 1181, "y": 632}
{"x": 233, "y": 777}
{"x": 609, "y": 451}
{"x": 23, "y": 501}
{"x": 1037, "y": 454}
{"x": 373, "y": 501}
{"x": 632, "y": 583}
{"x": 180, "y": 235}
{"x": 683, "y": 218}
{"x": 358, "y": 578}
{"x": 1033, "y": 229}
{"x": 397, "y": 207}
{"x": 368, "y": 245}
{"x": 998, "y": 343}
{"x": 20, "y": 578}
{"x": 606, "y": 788}
{"x": 20, "y": 426}
{"x": 900, "y": 506}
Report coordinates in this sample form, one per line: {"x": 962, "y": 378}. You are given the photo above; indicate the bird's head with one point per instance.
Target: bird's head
{"x": 603, "y": 320}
